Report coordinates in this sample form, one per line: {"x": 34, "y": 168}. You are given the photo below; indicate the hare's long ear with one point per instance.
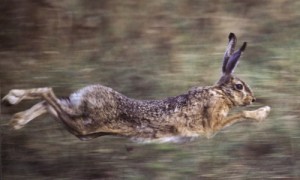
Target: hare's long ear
{"x": 233, "y": 60}
{"x": 229, "y": 50}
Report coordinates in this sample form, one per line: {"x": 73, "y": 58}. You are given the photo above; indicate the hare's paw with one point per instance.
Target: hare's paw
{"x": 14, "y": 96}
{"x": 18, "y": 121}
{"x": 262, "y": 113}
{"x": 259, "y": 114}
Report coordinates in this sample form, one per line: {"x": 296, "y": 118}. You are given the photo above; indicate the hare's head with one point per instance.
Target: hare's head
{"x": 236, "y": 90}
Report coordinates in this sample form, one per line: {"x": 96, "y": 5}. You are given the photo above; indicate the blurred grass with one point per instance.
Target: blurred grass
{"x": 151, "y": 49}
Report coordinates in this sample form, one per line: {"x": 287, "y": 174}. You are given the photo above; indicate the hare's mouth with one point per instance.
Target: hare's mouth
{"x": 247, "y": 103}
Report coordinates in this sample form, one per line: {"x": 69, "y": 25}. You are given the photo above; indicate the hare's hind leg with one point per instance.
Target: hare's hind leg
{"x": 64, "y": 113}
{"x": 53, "y": 104}
{"x": 17, "y": 95}
{"x": 20, "y": 119}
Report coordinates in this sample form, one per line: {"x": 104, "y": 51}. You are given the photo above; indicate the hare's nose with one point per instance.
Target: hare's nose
{"x": 253, "y": 100}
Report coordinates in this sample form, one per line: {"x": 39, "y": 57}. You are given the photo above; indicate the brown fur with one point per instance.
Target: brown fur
{"x": 97, "y": 110}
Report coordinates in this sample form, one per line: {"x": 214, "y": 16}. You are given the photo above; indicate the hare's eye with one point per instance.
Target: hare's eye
{"x": 239, "y": 86}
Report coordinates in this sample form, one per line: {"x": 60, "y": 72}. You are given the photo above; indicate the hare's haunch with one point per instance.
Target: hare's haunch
{"x": 98, "y": 110}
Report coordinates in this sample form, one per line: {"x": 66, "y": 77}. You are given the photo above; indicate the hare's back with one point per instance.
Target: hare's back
{"x": 95, "y": 98}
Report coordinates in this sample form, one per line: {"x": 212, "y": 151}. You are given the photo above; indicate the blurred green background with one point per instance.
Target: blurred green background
{"x": 151, "y": 50}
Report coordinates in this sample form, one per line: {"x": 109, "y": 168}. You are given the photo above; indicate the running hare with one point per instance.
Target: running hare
{"x": 97, "y": 110}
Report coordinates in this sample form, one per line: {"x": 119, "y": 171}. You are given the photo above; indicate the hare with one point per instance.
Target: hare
{"x": 97, "y": 110}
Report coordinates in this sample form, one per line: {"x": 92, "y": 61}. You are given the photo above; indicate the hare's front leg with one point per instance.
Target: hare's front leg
{"x": 256, "y": 115}
{"x": 259, "y": 114}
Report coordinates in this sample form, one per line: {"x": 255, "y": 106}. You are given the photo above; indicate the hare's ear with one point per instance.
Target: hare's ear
{"x": 229, "y": 50}
{"x": 233, "y": 59}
